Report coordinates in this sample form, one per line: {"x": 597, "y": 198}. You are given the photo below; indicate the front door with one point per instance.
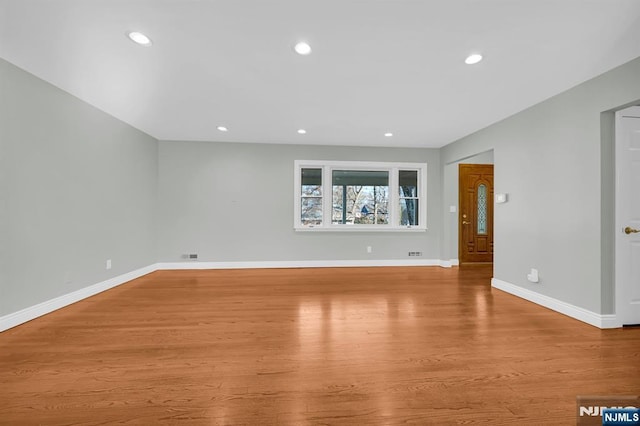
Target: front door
{"x": 628, "y": 216}
{"x": 475, "y": 229}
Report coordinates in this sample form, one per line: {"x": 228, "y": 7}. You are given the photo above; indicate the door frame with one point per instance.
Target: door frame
{"x": 620, "y": 222}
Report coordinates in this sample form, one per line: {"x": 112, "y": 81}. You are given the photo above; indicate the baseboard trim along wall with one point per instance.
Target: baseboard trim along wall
{"x": 33, "y": 312}
{"x": 302, "y": 264}
{"x": 576, "y": 312}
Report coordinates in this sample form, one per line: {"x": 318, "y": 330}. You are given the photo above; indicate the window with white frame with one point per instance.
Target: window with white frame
{"x": 349, "y": 195}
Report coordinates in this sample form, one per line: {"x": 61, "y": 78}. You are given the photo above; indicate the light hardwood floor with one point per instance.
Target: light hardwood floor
{"x": 418, "y": 345}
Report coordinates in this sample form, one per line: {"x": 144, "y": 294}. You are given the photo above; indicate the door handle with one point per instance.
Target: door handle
{"x": 464, "y": 222}
{"x": 629, "y": 230}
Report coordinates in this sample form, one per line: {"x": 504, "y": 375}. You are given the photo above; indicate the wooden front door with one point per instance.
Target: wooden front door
{"x": 475, "y": 220}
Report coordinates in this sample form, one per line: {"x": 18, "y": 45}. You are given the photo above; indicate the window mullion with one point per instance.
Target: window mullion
{"x": 327, "y": 194}
{"x": 394, "y": 196}
{"x": 297, "y": 187}
{"x": 422, "y": 196}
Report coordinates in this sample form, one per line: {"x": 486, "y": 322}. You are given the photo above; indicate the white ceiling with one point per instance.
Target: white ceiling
{"x": 377, "y": 65}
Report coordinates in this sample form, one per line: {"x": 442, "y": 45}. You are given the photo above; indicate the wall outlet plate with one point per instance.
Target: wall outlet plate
{"x": 502, "y": 198}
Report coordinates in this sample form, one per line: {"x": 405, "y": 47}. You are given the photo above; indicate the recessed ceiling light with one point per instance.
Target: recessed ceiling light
{"x": 473, "y": 59}
{"x": 302, "y": 48}
{"x": 139, "y": 38}
{"x": 388, "y": 134}
{"x": 222, "y": 128}
{"x": 302, "y": 131}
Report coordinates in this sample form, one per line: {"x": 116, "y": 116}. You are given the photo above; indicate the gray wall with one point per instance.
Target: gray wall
{"x": 549, "y": 159}
{"x": 77, "y": 187}
{"x": 234, "y": 202}
{"x": 450, "y": 194}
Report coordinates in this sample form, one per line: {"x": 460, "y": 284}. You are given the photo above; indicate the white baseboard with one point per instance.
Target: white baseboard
{"x": 610, "y": 321}
{"x": 300, "y": 264}
{"x": 32, "y": 312}
{"x": 581, "y": 314}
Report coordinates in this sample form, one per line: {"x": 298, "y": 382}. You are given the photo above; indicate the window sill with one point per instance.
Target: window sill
{"x": 359, "y": 229}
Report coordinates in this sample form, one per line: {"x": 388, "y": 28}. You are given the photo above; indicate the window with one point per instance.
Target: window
{"x": 482, "y": 209}
{"x": 408, "y": 187}
{"x": 360, "y": 197}
{"x": 311, "y": 213}
{"x": 340, "y": 195}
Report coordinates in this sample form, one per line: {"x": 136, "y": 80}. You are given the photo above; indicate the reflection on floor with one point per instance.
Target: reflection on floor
{"x": 423, "y": 345}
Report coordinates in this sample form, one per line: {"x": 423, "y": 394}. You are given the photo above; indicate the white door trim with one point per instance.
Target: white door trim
{"x": 621, "y": 221}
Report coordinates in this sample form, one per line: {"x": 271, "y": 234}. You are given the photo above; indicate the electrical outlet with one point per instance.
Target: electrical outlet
{"x": 415, "y": 253}
{"x": 368, "y": 249}
{"x": 108, "y": 266}
{"x": 193, "y": 256}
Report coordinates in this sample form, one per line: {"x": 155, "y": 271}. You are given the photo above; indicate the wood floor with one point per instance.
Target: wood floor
{"x": 380, "y": 346}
